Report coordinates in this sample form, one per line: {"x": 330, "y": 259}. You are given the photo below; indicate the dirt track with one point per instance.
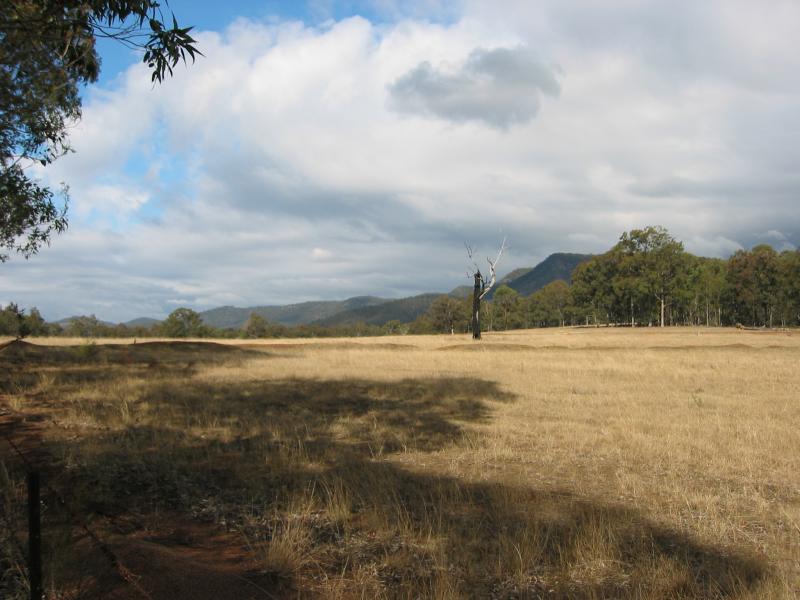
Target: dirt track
{"x": 172, "y": 558}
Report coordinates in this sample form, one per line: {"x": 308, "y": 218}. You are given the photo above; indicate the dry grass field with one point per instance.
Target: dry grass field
{"x": 568, "y": 463}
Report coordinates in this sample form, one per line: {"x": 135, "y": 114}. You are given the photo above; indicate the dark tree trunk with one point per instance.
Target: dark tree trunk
{"x": 476, "y": 306}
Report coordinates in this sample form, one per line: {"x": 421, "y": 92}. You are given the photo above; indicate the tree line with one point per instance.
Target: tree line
{"x": 181, "y": 323}
{"x": 646, "y": 278}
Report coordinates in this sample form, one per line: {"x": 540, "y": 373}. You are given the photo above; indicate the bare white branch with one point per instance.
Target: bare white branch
{"x": 492, "y": 270}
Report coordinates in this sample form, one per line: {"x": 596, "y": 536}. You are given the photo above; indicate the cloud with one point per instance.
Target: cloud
{"x": 777, "y": 239}
{"x": 775, "y": 235}
{"x": 321, "y": 254}
{"x": 499, "y": 87}
{"x": 716, "y": 246}
{"x": 116, "y": 198}
{"x": 217, "y": 186}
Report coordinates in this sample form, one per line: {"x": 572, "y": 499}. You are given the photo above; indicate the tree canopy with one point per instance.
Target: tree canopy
{"x": 182, "y": 323}
{"x": 654, "y": 263}
{"x": 47, "y": 51}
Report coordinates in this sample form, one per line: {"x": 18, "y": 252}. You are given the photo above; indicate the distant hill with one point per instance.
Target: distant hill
{"x": 462, "y": 291}
{"x": 515, "y": 274}
{"x": 290, "y": 314}
{"x": 141, "y": 322}
{"x": 556, "y": 266}
{"x": 66, "y": 321}
{"x": 404, "y": 310}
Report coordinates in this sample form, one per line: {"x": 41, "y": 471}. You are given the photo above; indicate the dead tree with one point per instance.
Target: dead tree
{"x": 481, "y": 287}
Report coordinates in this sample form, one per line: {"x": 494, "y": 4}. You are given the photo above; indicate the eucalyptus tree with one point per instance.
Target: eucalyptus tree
{"x": 552, "y": 301}
{"x": 507, "y": 301}
{"x": 446, "y": 314}
{"x": 789, "y": 286}
{"x": 13, "y": 321}
{"x": 47, "y": 51}
{"x": 656, "y": 263}
{"x": 255, "y": 327}
{"x": 183, "y": 323}
{"x": 593, "y": 288}
{"x": 713, "y": 272}
{"x": 753, "y": 279}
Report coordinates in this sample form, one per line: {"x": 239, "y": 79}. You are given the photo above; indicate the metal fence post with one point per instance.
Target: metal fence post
{"x": 34, "y": 536}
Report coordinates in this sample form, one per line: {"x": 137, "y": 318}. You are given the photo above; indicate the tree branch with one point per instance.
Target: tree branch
{"x": 493, "y": 270}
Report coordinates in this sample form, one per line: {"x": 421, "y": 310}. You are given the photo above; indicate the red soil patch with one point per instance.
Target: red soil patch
{"x": 185, "y": 560}
{"x": 172, "y": 558}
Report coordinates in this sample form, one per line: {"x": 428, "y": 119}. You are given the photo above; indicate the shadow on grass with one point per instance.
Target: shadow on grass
{"x": 23, "y": 363}
{"x": 300, "y": 467}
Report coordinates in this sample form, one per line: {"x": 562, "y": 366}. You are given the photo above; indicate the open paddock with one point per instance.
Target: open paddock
{"x": 559, "y": 463}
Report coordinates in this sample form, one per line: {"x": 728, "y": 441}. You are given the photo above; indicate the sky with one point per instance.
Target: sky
{"x": 322, "y": 150}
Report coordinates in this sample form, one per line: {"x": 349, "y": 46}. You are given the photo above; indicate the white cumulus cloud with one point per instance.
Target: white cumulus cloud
{"x": 295, "y": 162}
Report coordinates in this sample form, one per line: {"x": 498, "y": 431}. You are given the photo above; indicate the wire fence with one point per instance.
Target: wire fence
{"x": 36, "y": 482}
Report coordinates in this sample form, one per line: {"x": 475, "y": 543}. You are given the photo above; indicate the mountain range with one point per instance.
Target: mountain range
{"x": 555, "y": 266}
{"x": 404, "y": 310}
{"x": 302, "y": 313}
{"x": 377, "y": 311}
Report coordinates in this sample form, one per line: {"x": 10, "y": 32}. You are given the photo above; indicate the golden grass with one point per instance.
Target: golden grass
{"x": 568, "y": 463}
